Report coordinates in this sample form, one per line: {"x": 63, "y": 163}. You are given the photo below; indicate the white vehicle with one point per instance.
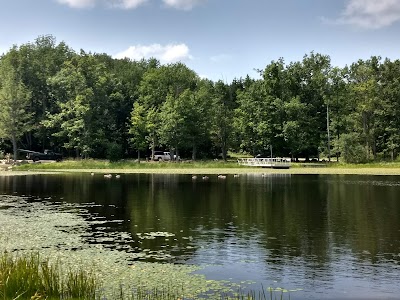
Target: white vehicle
{"x": 161, "y": 155}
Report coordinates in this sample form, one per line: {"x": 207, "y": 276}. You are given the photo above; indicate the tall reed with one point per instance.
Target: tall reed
{"x": 29, "y": 277}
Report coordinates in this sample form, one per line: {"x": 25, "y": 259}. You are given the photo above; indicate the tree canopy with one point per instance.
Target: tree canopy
{"x": 92, "y": 105}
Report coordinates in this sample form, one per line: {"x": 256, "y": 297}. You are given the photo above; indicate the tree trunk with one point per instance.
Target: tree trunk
{"x": 28, "y": 137}
{"x": 177, "y": 154}
{"x": 328, "y": 132}
{"x": 366, "y": 134}
{"x": 374, "y": 152}
{"x": 153, "y": 147}
{"x": 138, "y": 156}
{"x": 14, "y": 143}
{"x": 337, "y": 146}
{"x": 194, "y": 152}
{"x": 223, "y": 149}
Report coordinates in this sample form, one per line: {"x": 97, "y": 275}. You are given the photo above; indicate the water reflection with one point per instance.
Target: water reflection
{"x": 333, "y": 236}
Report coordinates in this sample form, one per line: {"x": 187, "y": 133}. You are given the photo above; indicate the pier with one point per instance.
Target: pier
{"x": 275, "y": 163}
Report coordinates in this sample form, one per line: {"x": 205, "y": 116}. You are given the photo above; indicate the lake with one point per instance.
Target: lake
{"x": 320, "y": 236}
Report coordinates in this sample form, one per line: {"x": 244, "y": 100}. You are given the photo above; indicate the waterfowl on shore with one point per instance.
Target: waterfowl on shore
{"x": 205, "y": 177}
{"x": 236, "y": 175}
{"x": 194, "y": 177}
{"x": 117, "y": 176}
{"x": 92, "y": 174}
{"x": 221, "y": 176}
{"x": 107, "y": 175}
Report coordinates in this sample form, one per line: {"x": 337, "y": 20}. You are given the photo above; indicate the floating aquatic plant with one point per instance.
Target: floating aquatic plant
{"x": 59, "y": 232}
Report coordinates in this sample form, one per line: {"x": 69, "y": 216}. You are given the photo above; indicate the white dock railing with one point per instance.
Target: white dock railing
{"x": 277, "y": 162}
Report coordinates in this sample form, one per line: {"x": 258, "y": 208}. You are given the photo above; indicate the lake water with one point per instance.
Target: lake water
{"x": 330, "y": 236}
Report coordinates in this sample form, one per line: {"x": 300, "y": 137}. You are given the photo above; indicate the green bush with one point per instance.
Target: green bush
{"x": 114, "y": 152}
{"x": 351, "y": 149}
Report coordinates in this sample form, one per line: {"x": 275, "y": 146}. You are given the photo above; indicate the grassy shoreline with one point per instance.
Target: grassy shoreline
{"x": 314, "y": 171}
{"x": 201, "y": 167}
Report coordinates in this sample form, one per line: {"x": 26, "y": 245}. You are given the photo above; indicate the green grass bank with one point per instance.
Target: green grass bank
{"x": 202, "y": 167}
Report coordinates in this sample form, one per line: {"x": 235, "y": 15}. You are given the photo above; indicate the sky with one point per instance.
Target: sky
{"x": 218, "y": 39}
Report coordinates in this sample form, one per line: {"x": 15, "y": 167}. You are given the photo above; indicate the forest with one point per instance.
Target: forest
{"x": 90, "y": 105}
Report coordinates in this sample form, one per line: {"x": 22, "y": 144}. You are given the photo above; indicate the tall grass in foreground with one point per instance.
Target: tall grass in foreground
{"x": 29, "y": 277}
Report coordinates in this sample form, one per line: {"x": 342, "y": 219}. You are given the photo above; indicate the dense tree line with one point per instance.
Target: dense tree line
{"x": 91, "y": 105}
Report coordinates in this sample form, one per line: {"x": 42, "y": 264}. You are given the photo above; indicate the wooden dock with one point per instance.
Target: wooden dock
{"x": 275, "y": 163}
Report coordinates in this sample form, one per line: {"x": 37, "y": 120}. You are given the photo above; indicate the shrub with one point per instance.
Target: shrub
{"x": 114, "y": 152}
{"x": 351, "y": 149}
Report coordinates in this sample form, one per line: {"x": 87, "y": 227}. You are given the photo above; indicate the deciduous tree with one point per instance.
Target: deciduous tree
{"x": 14, "y": 102}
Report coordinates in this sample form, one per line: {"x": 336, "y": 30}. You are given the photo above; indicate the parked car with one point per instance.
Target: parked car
{"x": 46, "y": 155}
{"x": 161, "y": 155}
{"x": 164, "y": 155}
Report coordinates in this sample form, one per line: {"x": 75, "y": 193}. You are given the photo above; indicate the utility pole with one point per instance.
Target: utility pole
{"x": 327, "y": 126}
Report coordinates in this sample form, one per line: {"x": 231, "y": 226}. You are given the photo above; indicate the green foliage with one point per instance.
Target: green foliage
{"x": 222, "y": 118}
{"x": 14, "y": 101}
{"x": 138, "y": 128}
{"x": 114, "y": 152}
{"x": 79, "y": 103}
{"x": 293, "y": 129}
{"x": 34, "y": 63}
{"x": 351, "y": 149}
{"x": 85, "y": 92}
{"x": 253, "y": 119}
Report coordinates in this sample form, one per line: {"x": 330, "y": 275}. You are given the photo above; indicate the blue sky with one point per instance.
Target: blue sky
{"x": 219, "y": 39}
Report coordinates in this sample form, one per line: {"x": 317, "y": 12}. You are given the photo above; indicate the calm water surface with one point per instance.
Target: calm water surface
{"x": 333, "y": 236}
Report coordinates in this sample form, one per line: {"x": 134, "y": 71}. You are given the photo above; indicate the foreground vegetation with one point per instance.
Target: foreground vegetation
{"x": 68, "y": 262}
{"x": 29, "y": 277}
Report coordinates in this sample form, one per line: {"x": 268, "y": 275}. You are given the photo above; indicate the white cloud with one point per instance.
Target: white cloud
{"x": 183, "y": 4}
{"x": 166, "y": 54}
{"x": 371, "y": 14}
{"x": 129, "y": 4}
{"x": 78, "y": 3}
{"x": 125, "y": 4}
